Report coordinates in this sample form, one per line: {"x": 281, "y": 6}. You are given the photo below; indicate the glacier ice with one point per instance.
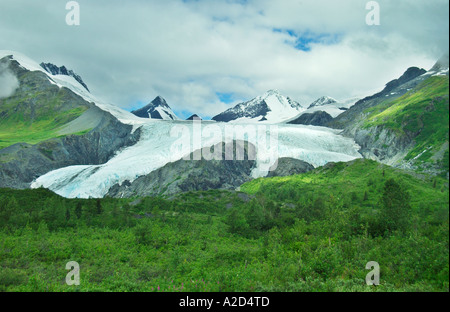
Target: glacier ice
{"x": 315, "y": 145}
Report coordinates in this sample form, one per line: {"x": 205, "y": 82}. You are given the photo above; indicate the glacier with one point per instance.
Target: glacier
{"x": 315, "y": 145}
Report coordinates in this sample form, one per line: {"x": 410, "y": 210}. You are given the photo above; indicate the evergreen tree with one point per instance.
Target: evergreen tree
{"x": 255, "y": 216}
{"x": 366, "y": 196}
{"x": 396, "y": 209}
{"x": 78, "y": 210}
{"x": 8, "y": 208}
{"x": 67, "y": 214}
{"x": 99, "y": 206}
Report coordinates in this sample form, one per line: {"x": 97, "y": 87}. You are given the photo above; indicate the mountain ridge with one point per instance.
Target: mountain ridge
{"x": 55, "y": 70}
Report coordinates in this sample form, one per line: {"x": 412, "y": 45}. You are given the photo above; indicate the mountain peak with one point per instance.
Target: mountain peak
{"x": 159, "y": 101}
{"x": 156, "y": 109}
{"x": 442, "y": 64}
{"x": 324, "y": 100}
{"x": 271, "y": 107}
{"x": 194, "y": 116}
{"x": 408, "y": 75}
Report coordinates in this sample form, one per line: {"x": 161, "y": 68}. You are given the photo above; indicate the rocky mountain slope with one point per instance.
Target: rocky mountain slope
{"x": 406, "y": 124}
{"x": 318, "y": 118}
{"x": 37, "y": 108}
{"x": 21, "y": 163}
{"x": 393, "y": 90}
{"x": 46, "y": 126}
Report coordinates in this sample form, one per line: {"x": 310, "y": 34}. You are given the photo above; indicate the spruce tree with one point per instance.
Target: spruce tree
{"x": 396, "y": 209}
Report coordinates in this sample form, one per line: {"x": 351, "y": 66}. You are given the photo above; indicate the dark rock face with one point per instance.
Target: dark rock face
{"x": 241, "y": 111}
{"x": 410, "y": 74}
{"x": 318, "y": 118}
{"x": 26, "y": 162}
{"x": 191, "y": 175}
{"x": 55, "y": 70}
{"x": 290, "y": 166}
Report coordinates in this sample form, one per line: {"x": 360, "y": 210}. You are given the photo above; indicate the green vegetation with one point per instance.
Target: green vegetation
{"x": 422, "y": 113}
{"x": 309, "y": 232}
{"x": 22, "y": 120}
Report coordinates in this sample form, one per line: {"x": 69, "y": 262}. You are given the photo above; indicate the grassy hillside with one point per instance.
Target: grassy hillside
{"x": 309, "y": 232}
{"x": 36, "y": 111}
{"x": 361, "y": 180}
{"x": 423, "y": 114}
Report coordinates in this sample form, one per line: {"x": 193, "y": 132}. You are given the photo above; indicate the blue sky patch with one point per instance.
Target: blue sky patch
{"x": 303, "y": 41}
{"x": 226, "y": 98}
{"x": 137, "y": 105}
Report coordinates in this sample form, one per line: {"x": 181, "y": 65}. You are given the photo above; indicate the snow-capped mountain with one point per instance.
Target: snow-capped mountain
{"x": 271, "y": 107}
{"x": 325, "y": 104}
{"x": 156, "y": 109}
{"x": 55, "y": 70}
{"x": 324, "y": 100}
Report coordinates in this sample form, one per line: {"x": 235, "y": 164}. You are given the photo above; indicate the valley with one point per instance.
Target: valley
{"x": 267, "y": 196}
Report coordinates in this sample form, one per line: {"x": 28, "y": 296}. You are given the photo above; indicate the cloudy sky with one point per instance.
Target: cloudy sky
{"x": 204, "y": 56}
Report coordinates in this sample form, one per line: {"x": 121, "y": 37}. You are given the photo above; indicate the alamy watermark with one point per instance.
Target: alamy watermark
{"x": 226, "y": 142}
{"x": 373, "y": 277}
{"x": 73, "y": 277}
{"x": 73, "y": 16}
{"x": 373, "y": 17}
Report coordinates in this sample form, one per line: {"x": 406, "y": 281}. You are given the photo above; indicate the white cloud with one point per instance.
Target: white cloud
{"x": 8, "y": 82}
{"x": 189, "y": 51}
